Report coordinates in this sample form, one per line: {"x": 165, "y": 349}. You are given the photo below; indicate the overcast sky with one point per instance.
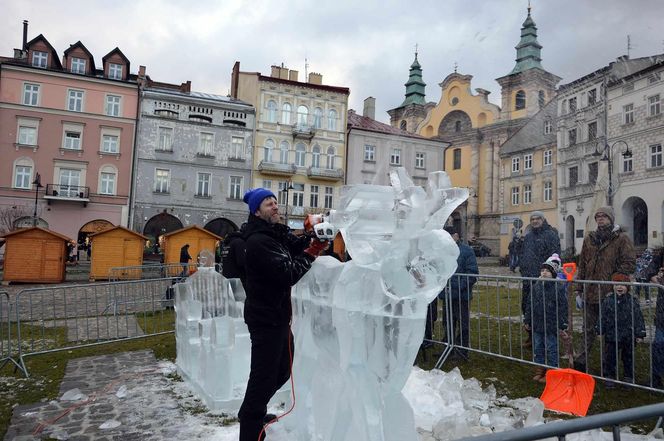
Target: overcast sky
{"x": 364, "y": 45}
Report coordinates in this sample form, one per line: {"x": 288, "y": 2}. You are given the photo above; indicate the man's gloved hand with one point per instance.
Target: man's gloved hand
{"x": 316, "y": 247}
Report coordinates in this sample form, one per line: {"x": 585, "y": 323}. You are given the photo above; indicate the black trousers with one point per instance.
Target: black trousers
{"x": 432, "y": 316}
{"x": 270, "y": 369}
{"x": 626, "y": 350}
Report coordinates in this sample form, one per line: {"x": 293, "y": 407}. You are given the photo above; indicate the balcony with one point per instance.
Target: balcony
{"x": 60, "y": 192}
{"x": 578, "y": 190}
{"x": 304, "y": 131}
{"x": 327, "y": 174}
{"x": 276, "y": 168}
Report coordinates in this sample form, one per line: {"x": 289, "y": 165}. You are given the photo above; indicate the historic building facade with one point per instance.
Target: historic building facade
{"x": 193, "y": 160}
{"x": 67, "y": 137}
{"x": 300, "y": 138}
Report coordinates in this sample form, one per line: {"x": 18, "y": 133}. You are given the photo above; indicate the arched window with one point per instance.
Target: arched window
{"x": 315, "y": 156}
{"x": 403, "y": 125}
{"x": 23, "y": 168}
{"x": 457, "y": 126}
{"x": 269, "y": 148}
{"x": 318, "y": 118}
{"x": 283, "y": 152}
{"x": 300, "y": 153}
{"x": 271, "y": 111}
{"x": 520, "y": 100}
{"x": 108, "y": 178}
{"x": 329, "y": 162}
{"x": 332, "y": 120}
{"x": 302, "y": 115}
{"x": 286, "y": 110}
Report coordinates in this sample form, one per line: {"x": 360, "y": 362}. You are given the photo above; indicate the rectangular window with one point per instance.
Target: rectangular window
{"x": 548, "y": 127}
{"x": 592, "y": 131}
{"x": 162, "y": 180}
{"x": 527, "y": 194}
{"x": 395, "y": 157}
{"x": 419, "y": 160}
{"x": 654, "y": 106}
{"x": 236, "y": 187}
{"x": 237, "y": 147}
{"x": 572, "y": 104}
{"x": 456, "y": 159}
{"x": 656, "y": 155}
{"x": 112, "y": 105}
{"x": 165, "y": 139}
{"x": 281, "y": 195}
{"x": 572, "y": 176}
{"x": 548, "y": 157}
{"x": 627, "y": 165}
{"x": 515, "y": 195}
{"x": 115, "y": 71}
{"x": 39, "y": 59}
{"x": 107, "y": 183}
{"x": 203, "y": 185}
{"x": 205, "y": 144}
{"x": 548, "y": 191}
{"x": 329, "y": 192}
{"x": 78, "y": 65}
{"x": 528, "y": 162}
{"x": 628, "y": 114}
{"x": 30, "y": 94}
{"x": 72, "y": 140}
{"x": 23, "y": 175}
{"x": 313, "y": 196}
{"x": 369, "y": 152}
{"x": 592, "y": 97}
{"x": 592, "y": 172}
{"x": 110, "y": 144}
{"x": 27, "y": 135}
{"x": 571, "y": 137}
{"x": 75, "y": 101}
{"x": 516, "y": 165}
{"x": 298, "y": 195}
{"x": 70, "y": 180}
{"x": 267, "y": 184}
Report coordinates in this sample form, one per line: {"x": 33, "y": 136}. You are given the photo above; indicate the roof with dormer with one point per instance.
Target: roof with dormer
{"x": 80, "y": 45}
{"x": 54, "y": 53}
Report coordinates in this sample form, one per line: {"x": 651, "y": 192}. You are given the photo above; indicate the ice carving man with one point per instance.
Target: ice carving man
{"x": 358, "y": 325}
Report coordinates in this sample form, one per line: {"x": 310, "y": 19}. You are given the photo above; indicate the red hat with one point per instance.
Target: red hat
{"x": 618, "y": 277}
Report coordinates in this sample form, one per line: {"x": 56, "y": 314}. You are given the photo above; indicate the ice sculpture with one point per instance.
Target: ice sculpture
{"x": 358, "y": 325}
{"x": 212, "y": 340}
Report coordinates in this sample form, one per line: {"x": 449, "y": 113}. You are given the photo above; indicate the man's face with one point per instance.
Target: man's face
{"x": 536, "y": 221}
{"x": 602, "y": 220}
{"x": 268, "y": 210}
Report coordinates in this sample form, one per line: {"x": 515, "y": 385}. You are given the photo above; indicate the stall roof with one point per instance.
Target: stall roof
{"x": 119, "y": 228}
{"x": 25, "y": 230}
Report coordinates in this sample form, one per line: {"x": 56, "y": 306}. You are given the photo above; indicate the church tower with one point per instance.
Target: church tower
{"x": 528, "y": 87}
{"x": 414, "y": 107}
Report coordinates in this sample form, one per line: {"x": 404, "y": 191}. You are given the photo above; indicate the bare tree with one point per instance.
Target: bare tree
{"x": 10, "y": 214}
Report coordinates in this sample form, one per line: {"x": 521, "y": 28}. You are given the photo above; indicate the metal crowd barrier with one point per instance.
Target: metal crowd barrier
{"x": 152, "y": 271}
{"x": 8, "y": 346}
{"x": 492, "y": 323}
{"x": 64, "y": 317}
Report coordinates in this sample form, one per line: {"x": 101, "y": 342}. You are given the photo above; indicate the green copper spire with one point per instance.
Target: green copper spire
{"x": 528, "y": 51}
{"x": 415, "y": 86}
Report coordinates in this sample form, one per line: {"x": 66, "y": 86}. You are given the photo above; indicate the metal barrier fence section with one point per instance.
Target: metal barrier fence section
{"x": 8, "y": 344}
{"x": 613, "y": 337}
{"x": 154, "y": 271}
{"x": 65, "y": 317}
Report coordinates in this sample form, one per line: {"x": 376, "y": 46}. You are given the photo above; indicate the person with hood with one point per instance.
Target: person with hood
{"x": 274, "y": 261}
{"x": 605, "y": 251}
{"x": 539, "y": 243}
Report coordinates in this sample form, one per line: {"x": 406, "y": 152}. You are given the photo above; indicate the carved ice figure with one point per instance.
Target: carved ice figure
{"x": 358, "y": 325}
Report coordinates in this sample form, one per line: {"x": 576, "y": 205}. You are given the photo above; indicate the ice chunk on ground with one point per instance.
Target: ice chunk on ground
{"x": 110, "y": 424}
{"x": 73, "y": 395}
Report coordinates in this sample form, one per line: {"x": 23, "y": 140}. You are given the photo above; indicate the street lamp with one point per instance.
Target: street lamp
{"x": 286, "y": 189}
{"x": 607, "y": 155}
{"x": 38, "y": 185}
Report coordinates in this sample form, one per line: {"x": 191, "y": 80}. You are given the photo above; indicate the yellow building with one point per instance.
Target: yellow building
{"x": 300, "y": 142}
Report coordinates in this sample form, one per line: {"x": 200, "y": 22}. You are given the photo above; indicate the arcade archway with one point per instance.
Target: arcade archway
{"x": 221, "y": 226}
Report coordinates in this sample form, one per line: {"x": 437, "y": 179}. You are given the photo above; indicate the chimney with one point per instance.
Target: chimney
{"x": 235, "y": 80}
{"x": 315, "y": 78}
{"x": 274, "y": 71}
{"x": 369, "y": 108}
{"x": 622, "y": 58}
{"x": 25, "y": 35}
{"x": 292, "y": 75}
{"x": 186, "y": 87}
{"x": 141, "y": 71}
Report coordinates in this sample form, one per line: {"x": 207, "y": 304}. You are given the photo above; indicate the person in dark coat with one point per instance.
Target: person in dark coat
{"x": 514, "y": 250}
{"x": 658, "y": 342}
{"x": 621, "y": 325}
{"x": 606, "y": 251}
{"x": 459, "y": 291}
{"x": 538, "y": 244}
{"x": 275, "y": 261}
{"x": 184, "y": 260}
{"x": 546, "y": 316}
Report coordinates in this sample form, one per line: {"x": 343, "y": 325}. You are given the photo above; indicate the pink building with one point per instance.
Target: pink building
{"x": 72, "y": 123}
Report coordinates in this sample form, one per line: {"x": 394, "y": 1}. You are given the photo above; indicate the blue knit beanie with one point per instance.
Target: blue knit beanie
{"x": 254, "y": 197}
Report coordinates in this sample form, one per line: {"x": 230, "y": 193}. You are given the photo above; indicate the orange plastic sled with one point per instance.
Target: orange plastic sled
{"x": 568, "y": 390}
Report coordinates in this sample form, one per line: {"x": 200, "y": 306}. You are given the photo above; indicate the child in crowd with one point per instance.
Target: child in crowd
{"x": 658, "y": 343}
{"x": 621, "y": 324}
{"x": 546, "y": 316}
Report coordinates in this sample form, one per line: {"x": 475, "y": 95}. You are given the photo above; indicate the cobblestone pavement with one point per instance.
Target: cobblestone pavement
{"x": 129, "y": 390}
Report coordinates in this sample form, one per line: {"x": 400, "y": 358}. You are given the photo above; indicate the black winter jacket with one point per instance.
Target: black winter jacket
{"x": 624, "y": 311}
{"x": 546, "y": 307}
{"x": 275, "y": 261}
{"x": 538, "y": 245}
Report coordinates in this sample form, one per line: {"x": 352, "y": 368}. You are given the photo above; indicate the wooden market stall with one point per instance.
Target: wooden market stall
{"x": 113, "y": 248}
{"x": 35, "y": 255}
{"x": 198, "y": 239}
